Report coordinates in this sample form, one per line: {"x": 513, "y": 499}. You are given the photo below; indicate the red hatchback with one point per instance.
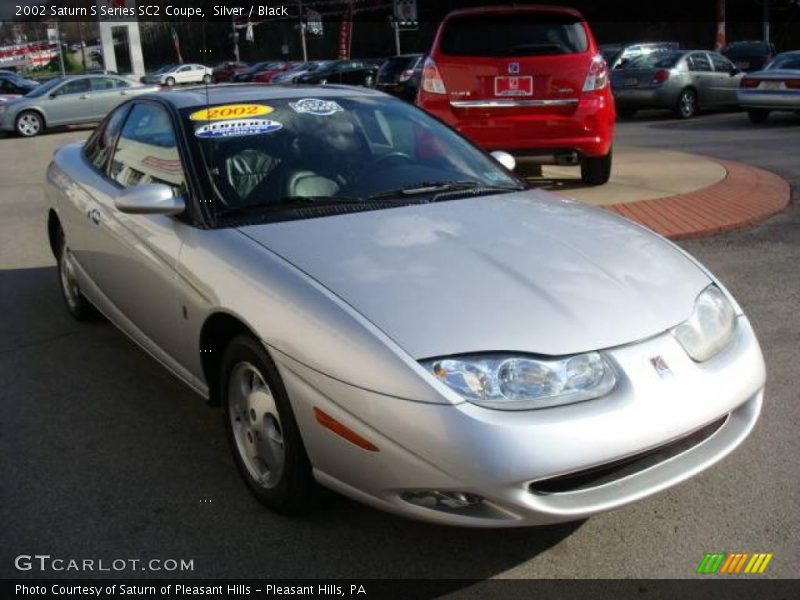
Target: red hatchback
{"x": 529, "y": 80}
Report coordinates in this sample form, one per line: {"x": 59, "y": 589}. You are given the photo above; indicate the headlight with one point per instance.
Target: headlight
{"x": 513, "y": 382}
{"x": 710, "y": 327}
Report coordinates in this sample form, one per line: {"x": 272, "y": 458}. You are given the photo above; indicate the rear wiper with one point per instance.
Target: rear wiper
{"x": 437, "y": 187}
{"x": 285, "y": 201}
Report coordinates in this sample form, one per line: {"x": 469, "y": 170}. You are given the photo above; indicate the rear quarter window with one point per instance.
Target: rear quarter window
{"x": 515, "y": 34}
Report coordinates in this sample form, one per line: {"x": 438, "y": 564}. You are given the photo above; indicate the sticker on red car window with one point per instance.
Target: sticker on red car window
{"x": 237, "y": 128}
{"x": 230, "y": 111}
{"x": 314, "y": 106}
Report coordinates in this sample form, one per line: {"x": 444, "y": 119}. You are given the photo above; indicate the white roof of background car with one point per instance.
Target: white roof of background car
{"x": 201, "y": 95}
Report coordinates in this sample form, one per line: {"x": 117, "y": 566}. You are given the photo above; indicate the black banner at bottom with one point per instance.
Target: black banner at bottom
{"x": 258, "y": 589}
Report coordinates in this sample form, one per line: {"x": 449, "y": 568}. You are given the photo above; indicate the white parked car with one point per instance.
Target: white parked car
{"x": 175, "y": 74}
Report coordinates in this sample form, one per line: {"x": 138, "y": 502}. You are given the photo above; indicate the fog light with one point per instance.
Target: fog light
{"x": 442, "y": 500}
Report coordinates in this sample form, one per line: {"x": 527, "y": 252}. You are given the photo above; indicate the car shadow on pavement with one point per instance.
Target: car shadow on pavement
{"x": 110, "y": 456}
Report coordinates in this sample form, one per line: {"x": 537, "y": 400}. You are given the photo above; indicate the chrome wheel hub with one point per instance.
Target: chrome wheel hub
{"x": 256, "y": 425}
{"x": 687, "y": 104}
{"x": 29, "y": 124}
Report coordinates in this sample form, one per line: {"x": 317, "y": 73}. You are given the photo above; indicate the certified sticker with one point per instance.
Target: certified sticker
{"x": 314, "y": 106}
{"x": 231, "y": 111}
{"x": 237, "y": 128}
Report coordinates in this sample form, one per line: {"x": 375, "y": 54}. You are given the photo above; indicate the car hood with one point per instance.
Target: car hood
{"x": 527, "y": 272}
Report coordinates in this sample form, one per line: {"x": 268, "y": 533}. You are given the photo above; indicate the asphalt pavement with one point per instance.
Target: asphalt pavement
{"x": 104, "y": 455}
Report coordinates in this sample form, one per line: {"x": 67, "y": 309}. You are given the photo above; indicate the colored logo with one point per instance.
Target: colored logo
{"x": 237, "y": 128}
{"x": 734, "y": 563}
{"x": 230, "y": 111}
{"x": 513, "y": 68}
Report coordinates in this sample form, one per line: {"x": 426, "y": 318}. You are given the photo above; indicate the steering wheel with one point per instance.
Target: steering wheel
{"x": 392, "y": 156}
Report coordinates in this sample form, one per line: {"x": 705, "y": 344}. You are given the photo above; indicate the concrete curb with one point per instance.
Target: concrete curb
{"x": 744, "y": 197}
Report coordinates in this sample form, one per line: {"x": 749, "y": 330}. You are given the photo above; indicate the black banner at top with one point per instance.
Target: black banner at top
{"x": 380, "y": 11}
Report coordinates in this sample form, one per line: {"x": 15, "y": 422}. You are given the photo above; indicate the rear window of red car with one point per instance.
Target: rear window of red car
{"x": 513, "y": 34}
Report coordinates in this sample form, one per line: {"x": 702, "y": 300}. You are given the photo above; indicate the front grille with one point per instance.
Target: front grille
{"x": 609, "y": 472}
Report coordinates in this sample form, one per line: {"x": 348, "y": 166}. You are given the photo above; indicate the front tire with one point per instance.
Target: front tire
{"x": 29, "y": 123}
{"x": 758, "y": 115}
{"x": 596, "y": 170}
{"x": 262, "y": 430}
{"x": 687, "y": 105}
{"x": 77, "y": 305}
{"x": 170, "y": 82}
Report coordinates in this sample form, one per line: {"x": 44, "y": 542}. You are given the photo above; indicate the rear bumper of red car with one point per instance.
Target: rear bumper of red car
{"x": 584, "y": 125}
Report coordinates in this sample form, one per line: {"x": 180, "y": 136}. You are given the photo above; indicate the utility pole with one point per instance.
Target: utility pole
{"x": 396, "y": 26}
{"x": 235, "y": 38}
{"x": 60, "y": 49}
{"x": 765, "y": 20}
{"x": 302, "y": 30}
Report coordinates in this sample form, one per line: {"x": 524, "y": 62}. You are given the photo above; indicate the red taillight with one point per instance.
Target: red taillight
{"x": 597, "y": 77}
{"x": 660, "y": 76}
{"x": 792, "y": 84}
{"x": 432, "y": 81}
{"x": 749, "y": 82}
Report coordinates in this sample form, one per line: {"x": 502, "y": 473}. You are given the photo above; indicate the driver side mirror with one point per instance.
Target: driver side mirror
{"x": 149, "y": 199}
{"x": 504, "y": 158}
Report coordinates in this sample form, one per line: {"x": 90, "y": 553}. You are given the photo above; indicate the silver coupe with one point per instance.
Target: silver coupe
{"x": 383, "y": 309}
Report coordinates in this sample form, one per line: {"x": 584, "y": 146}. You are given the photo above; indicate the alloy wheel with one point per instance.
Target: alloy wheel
{"x": 29, "y": 124}
{"x": 256, "y": 425}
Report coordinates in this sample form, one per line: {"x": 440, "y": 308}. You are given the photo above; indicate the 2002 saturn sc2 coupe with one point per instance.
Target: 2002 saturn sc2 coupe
{"x": 383, "y": 309}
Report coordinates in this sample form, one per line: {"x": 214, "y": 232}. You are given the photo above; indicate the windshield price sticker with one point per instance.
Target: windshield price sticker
{"x": 230, "y": 111}
{"x": 237, "y": 128}
{"x": 314, "y": 106}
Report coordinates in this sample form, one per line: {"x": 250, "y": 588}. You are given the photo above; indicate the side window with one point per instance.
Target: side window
{"x": 121, "y": 83}
{"x": 699, "y": 62}
{"x": 721, "y": 63}
{"x": 101, "y": 84}
{"x": 7, "y": 87}
{"x": 146, "y": 150}
{"x": 76, "y": 86}
{"x": 100, "y": 146}
{"x": 185, "y": 68}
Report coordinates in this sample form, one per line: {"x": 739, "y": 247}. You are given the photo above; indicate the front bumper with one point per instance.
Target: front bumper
{"x": 769, "y": 99}
{"x": 508, "y": 458}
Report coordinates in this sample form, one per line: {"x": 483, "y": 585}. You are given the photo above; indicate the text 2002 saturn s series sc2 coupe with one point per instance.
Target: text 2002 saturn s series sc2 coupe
{"x": 384, "y": 309}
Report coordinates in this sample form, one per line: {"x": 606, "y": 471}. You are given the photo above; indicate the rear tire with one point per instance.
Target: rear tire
{"x": 758, "y": 115}
{"x": 262, "y": 431}
{"x": 596, "y": 170}
{"x": 687, "y": 105}
{"x": 77, "y": 305}
{"x": 206, "y": 79}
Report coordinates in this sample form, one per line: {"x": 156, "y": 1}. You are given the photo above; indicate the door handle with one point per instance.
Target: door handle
{"x": 94, "y": 215}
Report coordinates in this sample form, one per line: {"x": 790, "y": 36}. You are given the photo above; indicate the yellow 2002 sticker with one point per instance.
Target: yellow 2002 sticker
{"x": 230, "y": 111}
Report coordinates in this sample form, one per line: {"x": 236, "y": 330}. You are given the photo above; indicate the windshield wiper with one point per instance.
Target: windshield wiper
{"x": 438, "y": 187}
{"x": 288, "y": 201}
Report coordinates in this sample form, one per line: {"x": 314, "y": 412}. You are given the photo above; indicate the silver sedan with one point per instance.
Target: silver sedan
{"x": 775, "y": 88}
{"x": 383, "y": 309}
{"x": 71, "y": 100}
{"x": 683, "y": 81}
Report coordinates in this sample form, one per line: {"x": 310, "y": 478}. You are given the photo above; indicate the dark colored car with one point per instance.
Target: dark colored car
{"x": 248, "y": 74}
{"x": 350, "y": 72}
{"x": 618, "y": 55}
{"x": 224, "y": 71}
{"x": 751, "y": 55}
{"x": 528, "y": 80}
{"x": 400, "y": 76}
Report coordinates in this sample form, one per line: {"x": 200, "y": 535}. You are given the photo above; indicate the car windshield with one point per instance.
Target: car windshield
{"x": 515, "y": 34}
{"x": 45, "y": 88}
{"x": 785, "y": 61}
{"x": 657, "y": 60}
{"x": 164, "y": 69}
{"x": 292, "y": 158}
